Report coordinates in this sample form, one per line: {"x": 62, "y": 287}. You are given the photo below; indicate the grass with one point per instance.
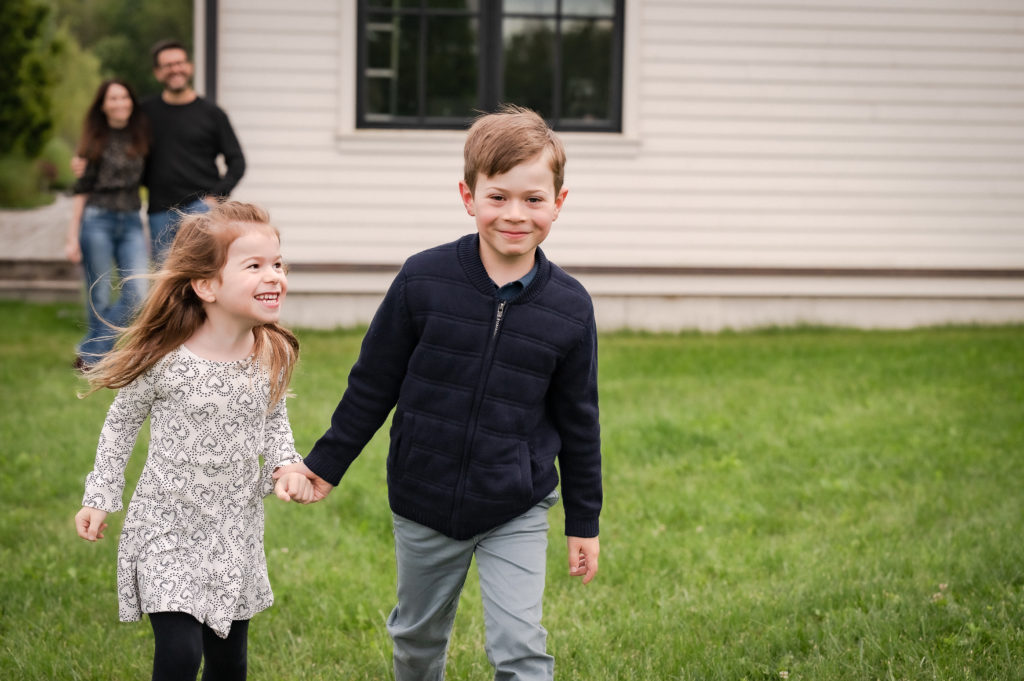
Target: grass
{"x": 801, "y": 504}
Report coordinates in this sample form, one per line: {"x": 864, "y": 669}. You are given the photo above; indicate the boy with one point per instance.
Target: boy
{"x": 489, "y": 352}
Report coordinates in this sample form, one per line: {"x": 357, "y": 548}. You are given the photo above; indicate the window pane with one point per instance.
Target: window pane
{"x": 378, "y": 45}
{"x": 586, "y": 70}
{"x": 392, "y": 72}
{"x": 529, "y": 57}
{"x": 591, "y": 8}
{"x": 451, "y": 66}
{"x": 529, "y": 6}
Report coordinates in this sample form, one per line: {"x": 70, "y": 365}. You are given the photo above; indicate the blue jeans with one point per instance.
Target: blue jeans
{"x": 163, "y": 227}
{"x": 108, "y": 239}
{"x": 511, "y": 560}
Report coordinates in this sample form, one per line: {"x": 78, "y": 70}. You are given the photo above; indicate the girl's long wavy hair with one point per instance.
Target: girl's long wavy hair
{"x": 96, "y": 129}
{"x": 173, "y": 312}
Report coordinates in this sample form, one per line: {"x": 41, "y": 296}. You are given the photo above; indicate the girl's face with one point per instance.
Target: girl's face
{"x": 252, "y": 284}
{"x": 117, "y": 105}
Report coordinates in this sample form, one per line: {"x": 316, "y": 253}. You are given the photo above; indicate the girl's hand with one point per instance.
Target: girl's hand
{"x": 294, "y": 486}
{"x": 89, "y": 523}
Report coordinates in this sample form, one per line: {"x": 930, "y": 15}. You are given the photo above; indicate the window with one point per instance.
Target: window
{"x": 434, "y": 63}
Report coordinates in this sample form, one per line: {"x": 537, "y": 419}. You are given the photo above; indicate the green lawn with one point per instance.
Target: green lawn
{"x": 803, "y": 504}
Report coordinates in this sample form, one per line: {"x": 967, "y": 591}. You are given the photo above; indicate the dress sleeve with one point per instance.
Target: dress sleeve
{"x": 279, "y": 446}
{"x": 104, "y": 486}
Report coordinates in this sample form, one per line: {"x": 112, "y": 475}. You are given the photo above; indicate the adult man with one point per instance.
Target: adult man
{"x": 189, "y": 133}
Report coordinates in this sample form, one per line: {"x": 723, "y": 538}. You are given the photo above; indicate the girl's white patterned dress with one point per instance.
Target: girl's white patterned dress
{"x": 193, "y": 536}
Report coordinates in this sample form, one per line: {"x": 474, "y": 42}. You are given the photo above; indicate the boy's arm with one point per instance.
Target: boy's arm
{"x": 373, "y": 386}
{"x": 572, "y": 403}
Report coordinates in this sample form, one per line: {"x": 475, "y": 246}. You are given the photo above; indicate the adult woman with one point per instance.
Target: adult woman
{"x": 106, "y": 228}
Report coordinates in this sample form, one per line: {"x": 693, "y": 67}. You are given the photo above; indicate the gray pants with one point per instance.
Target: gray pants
{"x": 432, "y": 570}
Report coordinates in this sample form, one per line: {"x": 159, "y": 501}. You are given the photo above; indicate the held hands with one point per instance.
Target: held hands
{"x": 583, "y": 557}
{"x": 321, "y": 488}
{"x": 89, "y": 523}
{"x": 294, "y": 487}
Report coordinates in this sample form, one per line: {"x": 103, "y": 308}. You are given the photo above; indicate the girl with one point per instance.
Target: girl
{"x": 105, "y": 229}
{"x": 207, "y": 360}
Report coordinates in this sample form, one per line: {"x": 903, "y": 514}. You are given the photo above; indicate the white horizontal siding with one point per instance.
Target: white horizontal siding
{"x": 763, "y": 134}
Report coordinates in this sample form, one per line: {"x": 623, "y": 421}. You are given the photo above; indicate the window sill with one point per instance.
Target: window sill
{"x": 417, "y": 142}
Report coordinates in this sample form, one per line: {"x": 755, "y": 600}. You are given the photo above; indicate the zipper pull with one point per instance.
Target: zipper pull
{"x": 497, "y": 319}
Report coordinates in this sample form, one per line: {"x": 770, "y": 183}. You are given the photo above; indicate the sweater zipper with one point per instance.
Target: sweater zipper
{"x": 485, "y": 372}
{"x": 498, "y": 317}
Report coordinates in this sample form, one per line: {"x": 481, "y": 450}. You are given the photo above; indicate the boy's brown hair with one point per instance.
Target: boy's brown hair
{"x": 498, "y": 142}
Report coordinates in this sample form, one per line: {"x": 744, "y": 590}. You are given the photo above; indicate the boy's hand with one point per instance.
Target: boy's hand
{"x": 583, "y": 557}
{"x": 294, "y": 486}
{"x": 89, "y": 523}
{"x": 321, "y": 488}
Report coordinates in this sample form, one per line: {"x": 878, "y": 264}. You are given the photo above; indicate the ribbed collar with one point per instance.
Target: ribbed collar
{"x": 468, "y": 248}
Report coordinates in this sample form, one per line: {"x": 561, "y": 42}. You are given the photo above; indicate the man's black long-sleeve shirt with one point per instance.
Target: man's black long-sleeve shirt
{"x": 182, "y": 161}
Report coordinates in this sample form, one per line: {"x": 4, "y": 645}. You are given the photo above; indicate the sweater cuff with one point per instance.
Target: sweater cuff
{"x": 325, "y": 466}
{"x": 583, "y": 528}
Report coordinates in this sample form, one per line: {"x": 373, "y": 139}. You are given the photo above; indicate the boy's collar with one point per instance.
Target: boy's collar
{"x": 468, "y": 250}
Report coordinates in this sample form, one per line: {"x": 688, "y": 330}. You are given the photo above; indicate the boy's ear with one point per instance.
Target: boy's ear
{"x": 204, "y": 289}
{"x": 559, "y": 200}
{"x": 467, "y": 197}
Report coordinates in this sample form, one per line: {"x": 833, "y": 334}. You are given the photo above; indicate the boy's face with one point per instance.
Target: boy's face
{"x": 514, "y": 210}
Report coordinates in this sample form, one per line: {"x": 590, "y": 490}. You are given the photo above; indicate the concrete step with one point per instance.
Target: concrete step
{"x": 40, "y": 280}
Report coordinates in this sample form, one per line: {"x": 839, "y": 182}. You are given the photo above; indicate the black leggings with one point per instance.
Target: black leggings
{"x": 182, "y": 642}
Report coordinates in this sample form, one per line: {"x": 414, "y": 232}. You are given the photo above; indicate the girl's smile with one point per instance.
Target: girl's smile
{"x": 252, "y": 284}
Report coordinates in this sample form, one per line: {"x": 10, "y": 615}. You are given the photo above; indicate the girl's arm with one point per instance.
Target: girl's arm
{"x": 279, "y": 446}
{"x": 104, "y": 486}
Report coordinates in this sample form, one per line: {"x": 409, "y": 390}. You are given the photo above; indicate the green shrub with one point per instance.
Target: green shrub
{"x": 22, "y": 183}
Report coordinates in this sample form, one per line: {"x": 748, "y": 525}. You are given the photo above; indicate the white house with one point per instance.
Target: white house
{"x": 770, "y": 162}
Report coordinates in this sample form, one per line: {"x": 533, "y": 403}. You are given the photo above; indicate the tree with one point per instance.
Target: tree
{"x": 29, "y": 52}
{"x": 121, "y": 32}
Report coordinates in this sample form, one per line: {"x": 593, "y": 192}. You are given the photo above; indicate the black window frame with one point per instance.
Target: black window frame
{"x": 490, "y": 69}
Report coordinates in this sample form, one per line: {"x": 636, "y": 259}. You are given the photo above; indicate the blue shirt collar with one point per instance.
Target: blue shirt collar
{"x": 512, "y": 289}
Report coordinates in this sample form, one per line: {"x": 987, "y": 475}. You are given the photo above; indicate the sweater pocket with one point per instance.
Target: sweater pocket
{"x": 401, "y": 441}
{"x": 525, "y": 472}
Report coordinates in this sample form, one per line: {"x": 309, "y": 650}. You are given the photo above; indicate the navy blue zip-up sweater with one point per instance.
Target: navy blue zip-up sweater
{"x": 489, "y": 394}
